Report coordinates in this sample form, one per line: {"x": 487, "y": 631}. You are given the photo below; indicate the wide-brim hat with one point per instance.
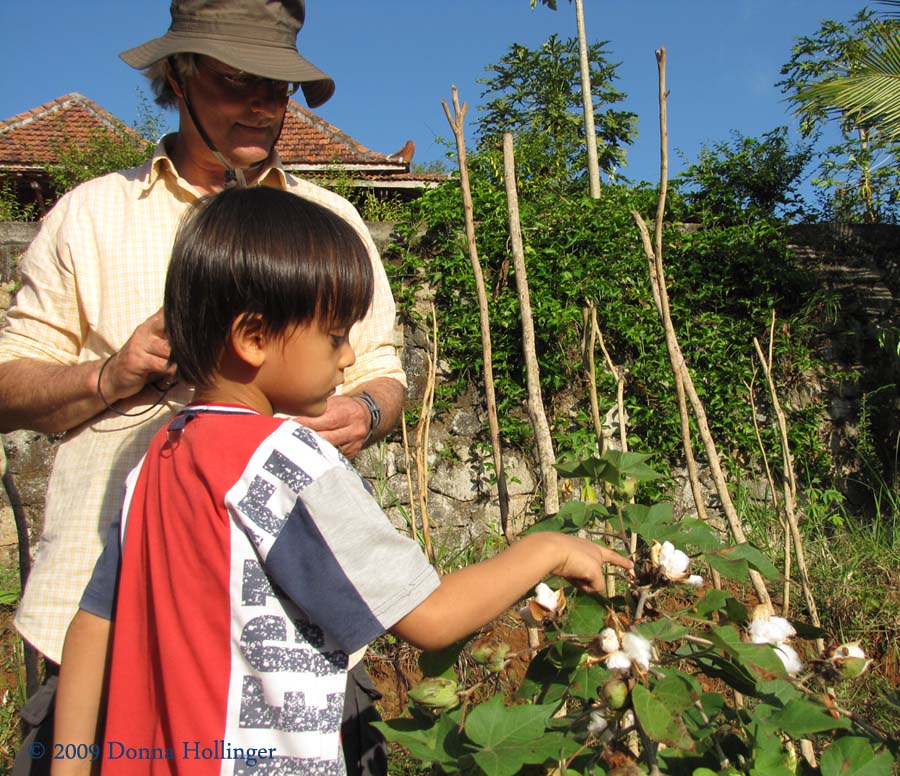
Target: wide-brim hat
{"x": 256, "y": 36}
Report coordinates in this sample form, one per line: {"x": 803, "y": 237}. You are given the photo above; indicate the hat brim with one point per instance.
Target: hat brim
{"x": 269, "y": 61}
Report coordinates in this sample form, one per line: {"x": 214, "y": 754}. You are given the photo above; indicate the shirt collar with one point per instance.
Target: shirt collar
{"x": 162, "y": 166}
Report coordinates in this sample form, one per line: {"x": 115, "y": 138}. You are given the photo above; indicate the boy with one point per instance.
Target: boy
{"x": 254, "y": 558}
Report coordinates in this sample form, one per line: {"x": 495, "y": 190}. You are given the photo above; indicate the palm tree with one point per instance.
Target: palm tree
{"x": 868, "y": 91}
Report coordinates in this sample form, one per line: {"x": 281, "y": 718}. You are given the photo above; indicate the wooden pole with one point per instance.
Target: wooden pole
{"x": 546, "y": 456}
{"x": 590, "y": 134}
{"x": 457, "y": 123}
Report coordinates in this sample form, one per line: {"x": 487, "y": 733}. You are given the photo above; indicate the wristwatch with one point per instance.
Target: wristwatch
{"x": 374, "y": 411}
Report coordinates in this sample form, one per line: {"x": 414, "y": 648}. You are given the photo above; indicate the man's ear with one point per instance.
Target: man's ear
{"x": 248, "y": 339}
{"x": 174, "y": 80}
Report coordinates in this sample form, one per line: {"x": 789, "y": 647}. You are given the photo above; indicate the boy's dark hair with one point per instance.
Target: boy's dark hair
{"x": 264, "y": 251}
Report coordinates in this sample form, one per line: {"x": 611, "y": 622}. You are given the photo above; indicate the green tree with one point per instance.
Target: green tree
{"x": 745, "y": 179}
{"x": 861, "y": 171}
{"x": 535, "y": 95}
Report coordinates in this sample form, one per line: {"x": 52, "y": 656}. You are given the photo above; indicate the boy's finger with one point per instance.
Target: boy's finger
{"x": 617, "y": 560}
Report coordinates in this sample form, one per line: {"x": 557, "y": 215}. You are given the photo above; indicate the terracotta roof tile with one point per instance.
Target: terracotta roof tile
{"x": 307, "y": 139}
{"x": 33, "y": 138}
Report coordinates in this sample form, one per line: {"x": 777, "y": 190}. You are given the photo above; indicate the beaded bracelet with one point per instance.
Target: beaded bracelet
{"x": 162, "y": 394}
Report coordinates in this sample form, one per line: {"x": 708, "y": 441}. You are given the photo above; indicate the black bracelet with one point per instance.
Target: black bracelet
{"x": 374, "y": 410}
{"x": 153, "y": 406}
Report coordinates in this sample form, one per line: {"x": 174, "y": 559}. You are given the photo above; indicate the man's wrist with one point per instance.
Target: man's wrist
{"x": 365, "y": 398}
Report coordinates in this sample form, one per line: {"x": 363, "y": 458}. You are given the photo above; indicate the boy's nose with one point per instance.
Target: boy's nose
{"x": 348, "y": 357}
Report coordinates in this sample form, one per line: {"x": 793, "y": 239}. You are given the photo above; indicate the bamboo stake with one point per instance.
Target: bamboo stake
{"x": 409, "y": 484}
{"x": 535, "y": 400}
{"x": 788, "y": 495}
{"x": 679, "y": 367}
{"x": 786, "y": 596}
{"x": 457, "y": 122}
{"x": 422, "y": 430}
{"x": 590, "y": 368}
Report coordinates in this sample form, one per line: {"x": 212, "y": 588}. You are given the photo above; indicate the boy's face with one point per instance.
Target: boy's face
{"x": 303, "y": 367}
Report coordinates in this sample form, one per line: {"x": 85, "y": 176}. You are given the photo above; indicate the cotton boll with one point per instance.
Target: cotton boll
{"x": 609, "y": 640}
{"x": 790, "y": 658}
{"x": 618, "y": 661}
{"x": 546, "y": 597}
{"x": 638, "y": 649}
{"x": 597, "y": 723}
{"x": 674, "y": 563}
{"x": 695, "y": 580}
{"x": 774, "y": 631}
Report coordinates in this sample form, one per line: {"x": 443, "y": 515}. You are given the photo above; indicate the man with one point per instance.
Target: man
{"x": 85, "y": 351}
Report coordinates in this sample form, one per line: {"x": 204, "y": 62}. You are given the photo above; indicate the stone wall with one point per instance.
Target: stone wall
{"x": 862, "y": 264}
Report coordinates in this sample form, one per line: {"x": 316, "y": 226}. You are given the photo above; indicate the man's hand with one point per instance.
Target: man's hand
{"x": 143, "y": 358}
{"x": 345, "y": 423}
{"x": 52, "y": 398}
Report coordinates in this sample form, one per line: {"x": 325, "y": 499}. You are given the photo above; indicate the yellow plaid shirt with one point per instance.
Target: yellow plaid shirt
{"x": 93, "y": 273}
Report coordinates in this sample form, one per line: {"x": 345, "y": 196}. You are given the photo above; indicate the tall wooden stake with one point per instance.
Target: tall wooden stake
{"x": 535, "y": 399}
{"x": 679, "y": 367}
{"x": 457, "y": 123}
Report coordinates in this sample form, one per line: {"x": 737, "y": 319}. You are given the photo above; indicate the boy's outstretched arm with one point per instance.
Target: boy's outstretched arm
{"x": 473, "y": 596}
{"x": 81, "y": 691}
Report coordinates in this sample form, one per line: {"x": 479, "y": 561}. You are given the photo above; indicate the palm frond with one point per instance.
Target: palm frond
{"x": 870, "y": 94}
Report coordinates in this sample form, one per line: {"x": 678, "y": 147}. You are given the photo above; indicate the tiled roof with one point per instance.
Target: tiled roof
{"x": 32, "y": 139}
{"x": 309, "y": 142}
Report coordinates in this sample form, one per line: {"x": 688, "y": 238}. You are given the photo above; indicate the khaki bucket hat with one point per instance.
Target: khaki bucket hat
{"x": 256, "y": 36}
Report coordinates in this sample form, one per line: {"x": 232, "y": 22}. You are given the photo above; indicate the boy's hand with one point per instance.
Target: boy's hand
{"x": 583, "y": 563}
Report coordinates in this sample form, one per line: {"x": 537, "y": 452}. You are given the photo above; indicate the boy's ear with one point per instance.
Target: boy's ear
{"x": 249, "y": 339}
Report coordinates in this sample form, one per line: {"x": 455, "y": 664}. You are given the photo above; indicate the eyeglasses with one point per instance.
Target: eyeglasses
{"x": 243, "y": 85}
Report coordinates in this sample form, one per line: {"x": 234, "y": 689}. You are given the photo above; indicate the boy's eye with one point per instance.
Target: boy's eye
{"x": 338, "y": 339}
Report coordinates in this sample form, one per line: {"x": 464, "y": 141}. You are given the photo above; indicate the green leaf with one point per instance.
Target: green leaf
{"x": 586, "y": 615}
{"x": 689, "y": 531}
{"x": 657, "y": 721}
{"x": 800, "y": 718}
{"x": 509, "y": 737}
{"x": 851, "y": 756}
{"x": 585, "y": 680}
{"x": 662, "y": 630}
{"x": 425, "y": 739}
{"x": 713, "y": 601}
{"x": 754, "y": 558}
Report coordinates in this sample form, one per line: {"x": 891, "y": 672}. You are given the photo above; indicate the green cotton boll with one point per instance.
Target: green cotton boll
{"x": 437, "y": 693}
{"x": 615, "y": 693}
{"x": 489, "y": 652}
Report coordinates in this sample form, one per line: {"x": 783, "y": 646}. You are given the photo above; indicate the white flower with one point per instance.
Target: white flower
{"x": 618, "y": 661}
{"x": 638, "y": 649}
{"x": 790, "y": 658}
{"x": 695, "y": 580}
{"x": 771, "y": 630}
{"x": 609, "y": 640}
{"x": 597, "y": 723}
{"x": 546, "y": 597}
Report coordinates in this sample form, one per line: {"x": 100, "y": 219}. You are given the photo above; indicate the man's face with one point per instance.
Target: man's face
{"x": 241, "y": 113}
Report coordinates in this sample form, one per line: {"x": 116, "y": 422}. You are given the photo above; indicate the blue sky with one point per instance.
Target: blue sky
{"x": 394, "y": 61}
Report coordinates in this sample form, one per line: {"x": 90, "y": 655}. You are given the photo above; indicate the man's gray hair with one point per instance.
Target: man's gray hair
{"x": 185, "y": 67}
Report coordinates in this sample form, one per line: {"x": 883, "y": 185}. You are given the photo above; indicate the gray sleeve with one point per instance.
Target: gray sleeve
{"x": 338, "y": 557}
{"x": 99, "y": 596}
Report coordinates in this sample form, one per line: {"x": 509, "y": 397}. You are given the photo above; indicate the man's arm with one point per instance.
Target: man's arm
{"x": 347, "y": 420}
{"x": 51, "y": 397}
